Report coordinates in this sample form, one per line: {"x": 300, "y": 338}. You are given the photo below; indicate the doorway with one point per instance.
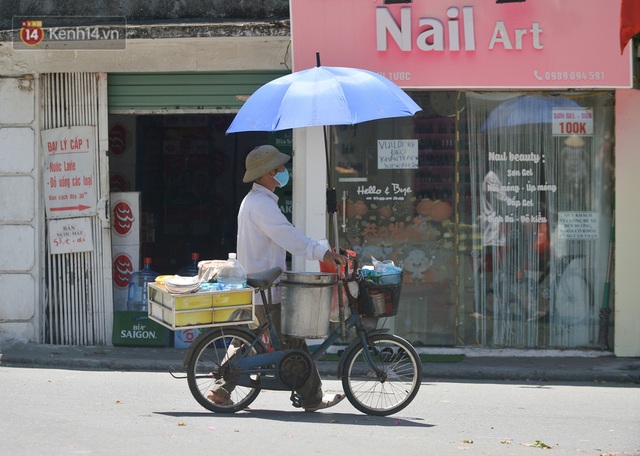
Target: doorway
{"x": 189, "y": 175}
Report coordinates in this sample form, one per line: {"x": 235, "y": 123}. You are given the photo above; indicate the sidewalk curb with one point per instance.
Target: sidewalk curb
{"x": 604, "y": 368}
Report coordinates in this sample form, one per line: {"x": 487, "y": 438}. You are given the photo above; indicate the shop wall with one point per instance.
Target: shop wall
{"x": 157, "y": 55}
{"x": 20, "y": 224}
{"x": 627, "y": 252}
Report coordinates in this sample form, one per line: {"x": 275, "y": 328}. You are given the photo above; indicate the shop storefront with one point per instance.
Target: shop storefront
{"x": 497, "y": 198}
{"x": 169, "y": 152}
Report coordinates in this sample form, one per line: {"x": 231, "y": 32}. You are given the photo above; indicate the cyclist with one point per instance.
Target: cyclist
{"x": 264, "y": 237}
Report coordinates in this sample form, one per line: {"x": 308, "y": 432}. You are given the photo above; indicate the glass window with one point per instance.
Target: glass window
{"x": 496, "y": 205}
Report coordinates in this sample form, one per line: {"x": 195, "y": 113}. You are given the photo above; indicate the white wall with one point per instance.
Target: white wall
{"x": 627, "y": 250}
{"x": 20, "y": 222}
{"x": 309, "y": 189}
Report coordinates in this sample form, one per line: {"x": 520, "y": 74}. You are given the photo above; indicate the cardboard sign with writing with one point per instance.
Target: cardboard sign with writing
{"x": 70, "y": 235}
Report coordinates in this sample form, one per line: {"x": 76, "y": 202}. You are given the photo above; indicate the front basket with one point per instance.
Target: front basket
{"x": 378, "y": 300}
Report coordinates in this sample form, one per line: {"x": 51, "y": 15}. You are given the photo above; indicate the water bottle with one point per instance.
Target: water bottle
{"x": 231, "y": 275}
{"x": 192, "y": 269}
{"x": 138, "y": 300}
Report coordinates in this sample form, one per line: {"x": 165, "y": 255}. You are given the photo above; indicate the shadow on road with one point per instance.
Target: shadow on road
{"x": 300, "y": 416}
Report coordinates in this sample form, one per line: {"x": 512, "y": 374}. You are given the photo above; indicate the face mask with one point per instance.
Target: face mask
{"x": 282, "y": 177}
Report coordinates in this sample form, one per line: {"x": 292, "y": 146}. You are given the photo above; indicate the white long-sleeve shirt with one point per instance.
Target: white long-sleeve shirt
{"x": 265, "y": 235}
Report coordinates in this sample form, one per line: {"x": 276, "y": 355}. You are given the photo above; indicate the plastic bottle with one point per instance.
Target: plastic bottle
{"x": 231, "y": 275}
{"x": 192, "y": 269}
{"x": 138, "y": 300}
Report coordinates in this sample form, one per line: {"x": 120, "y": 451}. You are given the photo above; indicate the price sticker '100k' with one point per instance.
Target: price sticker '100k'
{"x": 572, "y": 121}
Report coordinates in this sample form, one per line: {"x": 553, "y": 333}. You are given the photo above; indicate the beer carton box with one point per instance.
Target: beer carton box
{"x": 126, "y": 260}
{"x": 136, "y": 329}
{"x": 125, "y": 218}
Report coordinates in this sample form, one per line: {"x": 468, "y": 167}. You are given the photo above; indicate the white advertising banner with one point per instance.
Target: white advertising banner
{"x": 69, "y": 176}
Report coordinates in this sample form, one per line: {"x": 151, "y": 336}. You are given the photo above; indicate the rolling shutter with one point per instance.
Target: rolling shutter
{"x": 157, "y": 93}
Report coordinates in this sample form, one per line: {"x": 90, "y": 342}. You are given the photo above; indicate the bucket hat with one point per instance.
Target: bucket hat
{"x": 261, "y": 160}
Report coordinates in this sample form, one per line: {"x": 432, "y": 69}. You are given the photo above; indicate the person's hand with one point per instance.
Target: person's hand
{"x": 335, "y": 257}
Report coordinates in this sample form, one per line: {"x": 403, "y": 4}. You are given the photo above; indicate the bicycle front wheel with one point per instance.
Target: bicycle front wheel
{"x": 207, "y": 366}
{"x": 394, "y": 382}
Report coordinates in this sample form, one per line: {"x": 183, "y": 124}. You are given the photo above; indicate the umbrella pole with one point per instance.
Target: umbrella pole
{"x": 332, "y": 211}
{"x": 332, "y": 198}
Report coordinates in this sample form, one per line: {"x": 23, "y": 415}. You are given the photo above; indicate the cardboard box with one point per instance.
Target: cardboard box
{"x": 202, "y": 309}
{"x": 126, "y": 260}
{"x": 125, "y": 218}
{"x": 136, "y": 329}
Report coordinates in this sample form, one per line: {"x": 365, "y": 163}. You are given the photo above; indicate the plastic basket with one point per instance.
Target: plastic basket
{"x": 379, "y": 300}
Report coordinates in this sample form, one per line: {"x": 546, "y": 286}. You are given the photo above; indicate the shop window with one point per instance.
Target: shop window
{"x": 401, "y": 182}
{"x": 542, "y": 188}
{"x": 496, "y": 205}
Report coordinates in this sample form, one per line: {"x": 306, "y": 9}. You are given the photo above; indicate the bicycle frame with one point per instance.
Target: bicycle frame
{"x": 262, "y": 370}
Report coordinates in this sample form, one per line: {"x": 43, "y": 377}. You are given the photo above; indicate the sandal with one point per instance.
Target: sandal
{"x": 326, "y": 402}
{"x": 219, "y": 399}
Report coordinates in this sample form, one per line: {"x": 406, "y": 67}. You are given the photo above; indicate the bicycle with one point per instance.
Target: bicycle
{"x": 380, "y": 372}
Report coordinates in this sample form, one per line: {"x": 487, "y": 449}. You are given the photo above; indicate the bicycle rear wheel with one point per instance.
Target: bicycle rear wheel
{"x": 206, "y": 367}
{"x": 396, "y": 384}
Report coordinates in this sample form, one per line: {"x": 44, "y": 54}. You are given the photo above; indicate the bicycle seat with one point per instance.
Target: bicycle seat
{"x": 263, "y": 279}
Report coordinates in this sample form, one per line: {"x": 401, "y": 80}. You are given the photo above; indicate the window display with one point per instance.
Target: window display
{"x": 497, "y": 209}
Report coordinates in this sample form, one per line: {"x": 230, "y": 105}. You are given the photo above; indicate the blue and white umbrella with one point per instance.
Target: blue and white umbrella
{"x": 322, "y": 96}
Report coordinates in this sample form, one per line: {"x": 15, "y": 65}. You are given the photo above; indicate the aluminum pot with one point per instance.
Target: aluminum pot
{"x": 306, "y": 303}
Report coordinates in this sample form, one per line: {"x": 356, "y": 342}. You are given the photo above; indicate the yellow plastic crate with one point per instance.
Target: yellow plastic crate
{"x": 159, "y": 294}
{"x": 203, "y": 317}
{"x": 238, "y": 313}
{"x": 232, "y": 298}
{"x": 201, "y": 309}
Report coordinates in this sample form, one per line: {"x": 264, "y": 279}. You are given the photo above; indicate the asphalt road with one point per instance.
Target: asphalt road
{"x": 68, "y": 412}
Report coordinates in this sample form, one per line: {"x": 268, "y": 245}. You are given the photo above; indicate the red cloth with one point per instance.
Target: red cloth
{"x": 629, "y": 21}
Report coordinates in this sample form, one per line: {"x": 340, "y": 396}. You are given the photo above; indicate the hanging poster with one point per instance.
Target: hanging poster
{"x": 69, "y": 177}
{"x": 578, "y": 225}
{"x": 397, "y": 154}
{"x": 70, "y": 235}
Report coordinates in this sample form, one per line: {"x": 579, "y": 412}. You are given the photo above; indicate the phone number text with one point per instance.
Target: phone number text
{"x": 570, "y": 75}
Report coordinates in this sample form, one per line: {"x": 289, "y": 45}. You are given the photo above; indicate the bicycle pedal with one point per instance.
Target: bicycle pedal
{"x": 296, "y": 400}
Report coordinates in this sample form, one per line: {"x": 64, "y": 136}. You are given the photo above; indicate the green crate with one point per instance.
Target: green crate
{"x": 136, "y": 329}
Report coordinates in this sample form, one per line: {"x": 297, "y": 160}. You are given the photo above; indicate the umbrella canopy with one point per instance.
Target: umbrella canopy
{"x": 525, "y": 110}
{"x": 322, "y": 96}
